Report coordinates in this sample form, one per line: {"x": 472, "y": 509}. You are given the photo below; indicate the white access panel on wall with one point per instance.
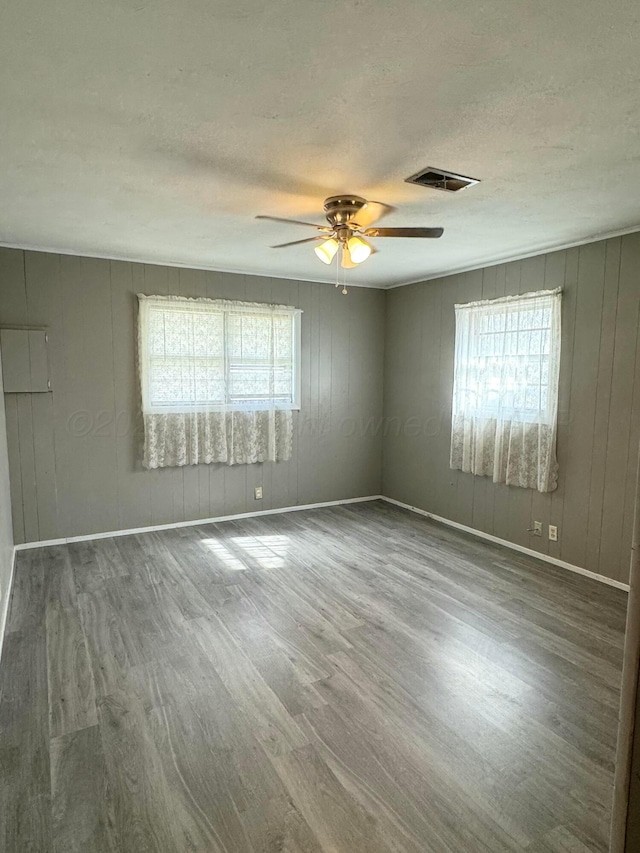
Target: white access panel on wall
{"x": 25, "y": 367}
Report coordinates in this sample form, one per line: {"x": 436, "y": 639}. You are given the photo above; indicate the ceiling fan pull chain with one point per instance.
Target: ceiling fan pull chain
{"x": 344, "y": 274}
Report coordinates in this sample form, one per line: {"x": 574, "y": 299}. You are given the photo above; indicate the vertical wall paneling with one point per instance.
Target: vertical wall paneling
{"x": 582, "y": 403}
{"x": 603, "y": 402}
{"x": 599, "y": 404}
{"x": 6, "y": 527}
{"x": 77, "y": 420}
{"x": 325, "y": 414}
{"x": 617, "y": 453}
{"x": 99, "y": 396}
{"x": 14, "y": 293}
{"x": 631, "y": 266}
{"x": 339, "y": 394}
{"x": 306, "y": 418}
{"x": 27, "y": 465}
{"x": 15, "y": 473}
{"x": 75, "y": 453}
{"x": 133, "y": 486}
{"x": 40, "y": 270}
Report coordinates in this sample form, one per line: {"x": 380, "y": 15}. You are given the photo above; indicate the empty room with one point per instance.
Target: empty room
{"x": 319, "y": 427}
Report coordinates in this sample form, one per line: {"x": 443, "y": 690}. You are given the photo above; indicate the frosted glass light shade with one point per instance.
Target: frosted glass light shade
{"x": 359, "y": 249}
{"x": 326, "y": 251}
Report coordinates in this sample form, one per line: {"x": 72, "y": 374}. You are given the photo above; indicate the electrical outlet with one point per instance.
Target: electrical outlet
{"x": 257, "y": 493}
{"x": 553, "y": 533}
{"x": 536, "y": 529}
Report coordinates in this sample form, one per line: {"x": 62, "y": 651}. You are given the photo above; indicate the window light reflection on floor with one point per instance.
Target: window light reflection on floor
{"x": 224, "y": 555}
{"x": 267, "y": 551}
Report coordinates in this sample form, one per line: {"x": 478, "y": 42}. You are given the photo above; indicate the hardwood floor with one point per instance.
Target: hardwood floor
{"x": 348, "y": 679}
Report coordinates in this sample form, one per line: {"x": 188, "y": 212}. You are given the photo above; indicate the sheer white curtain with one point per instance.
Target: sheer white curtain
{"x": 219, "y": 380}
{"x": 505, "y": 393}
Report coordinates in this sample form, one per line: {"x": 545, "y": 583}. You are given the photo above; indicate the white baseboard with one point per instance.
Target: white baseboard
{"x": 479, "y": 533}
{"x": 133, "y": 530}
{"x": 4, "y": 613}
{"x": 488, "y": 536}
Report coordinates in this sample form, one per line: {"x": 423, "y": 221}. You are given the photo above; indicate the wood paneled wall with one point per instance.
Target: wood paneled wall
{"x": 6, "y": 533}
{"x": 599, "y": 404}
{"x": 74, "y": 453}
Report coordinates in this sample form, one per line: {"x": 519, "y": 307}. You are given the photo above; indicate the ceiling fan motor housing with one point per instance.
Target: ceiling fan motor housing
{"x": 341, "y": 209}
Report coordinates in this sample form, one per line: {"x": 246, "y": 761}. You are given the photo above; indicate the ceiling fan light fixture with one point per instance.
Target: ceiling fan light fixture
{"x": 326, "y": 251}
{"x": 350, "y": 219}
{"x": 346, "y": 261}
{"x": 359, "y": 249}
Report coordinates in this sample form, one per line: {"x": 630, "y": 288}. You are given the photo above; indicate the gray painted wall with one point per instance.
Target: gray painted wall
{"x": 74, "y": 457}
{"x": 599, "y": 404}
{"x": 6, "y": 533}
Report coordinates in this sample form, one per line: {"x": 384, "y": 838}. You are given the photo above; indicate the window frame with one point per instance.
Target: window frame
{"x": 548, "y": 415}
{"x": 225, "y": 307}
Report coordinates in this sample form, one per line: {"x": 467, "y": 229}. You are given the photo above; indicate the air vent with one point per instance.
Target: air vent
{"x": 436, "y": 179}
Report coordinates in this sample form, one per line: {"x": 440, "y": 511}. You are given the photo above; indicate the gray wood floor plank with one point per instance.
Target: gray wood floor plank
{"x": 28, "y": 596}
{"x": 337, "y": 820}
{"x": 25, "y": 778}
{"x": 145, "y": 817}
{"x": 271, "y": 724}
{"x": 83, "y": 815}
{"x": 349, "y": 679}
{"x": 95, "y": 562}
{"x": 444, "y": 756}
{"x": 107, "y": 652}
{"x": 72, "y": 698}
{"x": 197, "y": 778}
{"x": 280, "y": 673}
{"x": 277, "y": 826}
{"x": 559, "y": 840}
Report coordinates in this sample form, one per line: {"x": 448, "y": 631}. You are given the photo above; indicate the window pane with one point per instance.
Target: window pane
{"x": 260, "y": 351}
{"x": 186, "y": 380}
{"x": 203, "y": 353}
{"x": 502, "y": 358}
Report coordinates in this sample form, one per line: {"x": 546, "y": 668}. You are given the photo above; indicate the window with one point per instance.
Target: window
{"x": 504, "y": 351}
{"x": 505, "y": 393}
{"x": 208, "y": 355}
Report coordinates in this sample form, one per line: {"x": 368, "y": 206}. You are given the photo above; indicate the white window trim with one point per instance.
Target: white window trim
{"x": 228, "y": 405}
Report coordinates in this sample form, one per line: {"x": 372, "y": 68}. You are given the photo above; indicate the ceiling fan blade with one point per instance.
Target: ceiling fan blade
{"x": 404, "y": 232}
{"x": 295, "y": 222}
{"x": 370, "y": 213}
{"x": 296, "y": 242}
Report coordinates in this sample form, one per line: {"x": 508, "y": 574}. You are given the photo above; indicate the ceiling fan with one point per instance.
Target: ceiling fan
{"x": 350, "y": 218}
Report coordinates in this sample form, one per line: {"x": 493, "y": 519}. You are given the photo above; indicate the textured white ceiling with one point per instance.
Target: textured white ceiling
{"x": 156, "y": 129}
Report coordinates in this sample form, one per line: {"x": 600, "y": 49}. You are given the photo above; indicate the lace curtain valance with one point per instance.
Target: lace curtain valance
{"x": 219, "y": 380}
{"x": 505, "y": 395}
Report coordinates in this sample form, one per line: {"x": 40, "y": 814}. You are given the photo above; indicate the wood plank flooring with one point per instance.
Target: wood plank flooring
{"x": 348, "y": 679}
